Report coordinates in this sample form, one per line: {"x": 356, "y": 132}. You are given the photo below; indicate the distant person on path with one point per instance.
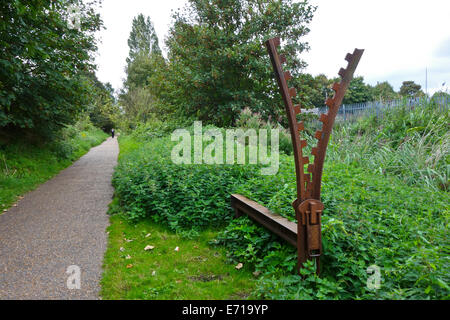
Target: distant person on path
{"x": 112, "y": 133}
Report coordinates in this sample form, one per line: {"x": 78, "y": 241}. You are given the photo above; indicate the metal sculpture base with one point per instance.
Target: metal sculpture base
{"x": 282, "y": 227}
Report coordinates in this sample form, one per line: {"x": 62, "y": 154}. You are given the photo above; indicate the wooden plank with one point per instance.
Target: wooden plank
{"x": 275, "y": 223}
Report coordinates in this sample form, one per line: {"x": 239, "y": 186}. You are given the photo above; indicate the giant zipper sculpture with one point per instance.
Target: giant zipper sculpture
{"x": 308, "y": 206}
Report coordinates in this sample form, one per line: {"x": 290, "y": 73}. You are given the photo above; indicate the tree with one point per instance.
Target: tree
{"x": 142, "y": 68}
{"x": 138, "y": 105}
{"x": 383, "y": 91}
{"x": 43, "y": 60}
{"x": 358, "y": 92}
{"x": 143, "y": 39}
{"x": 218, "y": 64}
{"x": 308, "y": 93}
{"x": 440, "y": 99}
{"x": 313, "y": 91}
{"x": 103, "y": 109}
{"x": 139, "y": 97}
{"x": 411, "y": 90}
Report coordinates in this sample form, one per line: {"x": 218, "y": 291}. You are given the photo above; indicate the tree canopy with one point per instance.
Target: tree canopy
{"x": 358, "y": 92}
{"x": 44, "y": 60}
{"x": 218, "y": 64}
{"x": 143, "y": 38}
{"x": 411, "y": 89}
{"x": 140, "y": 95}
{"x": 383, "y": 91}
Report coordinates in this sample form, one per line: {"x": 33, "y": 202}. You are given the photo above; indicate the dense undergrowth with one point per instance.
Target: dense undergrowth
{"x": 25, "y": 164}
{"x": 385, "y": 190}
{"x": 188, "y": 198}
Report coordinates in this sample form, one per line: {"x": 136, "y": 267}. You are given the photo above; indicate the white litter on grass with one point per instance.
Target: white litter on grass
{"x": 177, "y": 249}
{"x": 147, "y": 248}
{"x": 154, "y": 273}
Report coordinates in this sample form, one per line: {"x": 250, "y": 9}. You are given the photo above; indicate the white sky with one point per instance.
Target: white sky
{"x": 401, "y": 38}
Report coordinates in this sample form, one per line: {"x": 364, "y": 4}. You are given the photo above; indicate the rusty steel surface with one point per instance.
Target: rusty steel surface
{"x": 308, "y": 207}
{"x": 280, "y": 226}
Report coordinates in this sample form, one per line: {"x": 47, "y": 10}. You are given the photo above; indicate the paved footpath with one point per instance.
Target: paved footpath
{"x": 60, "y": 224}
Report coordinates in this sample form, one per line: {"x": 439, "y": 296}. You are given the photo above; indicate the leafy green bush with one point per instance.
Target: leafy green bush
{"x": 286, "y": 142}
{"x": 63, "y": 149}
{"x": 289, "y": 287}
{"x": 249, "y": 120}
{"x": 188, "y": 198}
{"x": 83, "y": 124}
{"x": 43, "y": 84}
{"x": 156, "y": 128}
{"x": 72, "y": 141}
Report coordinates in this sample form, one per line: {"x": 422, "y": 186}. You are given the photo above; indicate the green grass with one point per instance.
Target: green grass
{"x": 24, "y": 166}
{"x": 197, "y": 271}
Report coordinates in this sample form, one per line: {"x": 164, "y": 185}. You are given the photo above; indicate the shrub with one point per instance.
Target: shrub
{"x": 155, "y": 128}
{"x": 71, "y": 141}
{"x": 63, "y": 149}
{"x": 188, "y": 198}
{"x": 249, "y": 120}
{"x": 285, "y": 142}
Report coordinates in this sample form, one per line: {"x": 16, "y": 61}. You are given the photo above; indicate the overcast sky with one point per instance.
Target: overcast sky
{"x": 402, "y": 38}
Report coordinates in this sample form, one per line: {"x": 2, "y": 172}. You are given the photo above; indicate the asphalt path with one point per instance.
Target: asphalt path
{"x": 53, "y": 241}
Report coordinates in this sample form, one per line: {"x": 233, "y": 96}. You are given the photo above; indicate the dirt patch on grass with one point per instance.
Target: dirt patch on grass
{"x": 206, "y": 277}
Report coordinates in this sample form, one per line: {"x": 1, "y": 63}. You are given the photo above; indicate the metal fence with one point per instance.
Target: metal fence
{"x": 352, "y": 112}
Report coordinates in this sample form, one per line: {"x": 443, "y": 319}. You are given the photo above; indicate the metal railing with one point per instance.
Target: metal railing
{"x": 352, "y": 112}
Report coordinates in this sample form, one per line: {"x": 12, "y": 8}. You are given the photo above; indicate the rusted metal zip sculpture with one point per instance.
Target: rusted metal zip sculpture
{"x": 308, "y": 206}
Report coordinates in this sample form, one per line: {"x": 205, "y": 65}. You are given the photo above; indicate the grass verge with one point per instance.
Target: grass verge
{"x": 196, "y": 271}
